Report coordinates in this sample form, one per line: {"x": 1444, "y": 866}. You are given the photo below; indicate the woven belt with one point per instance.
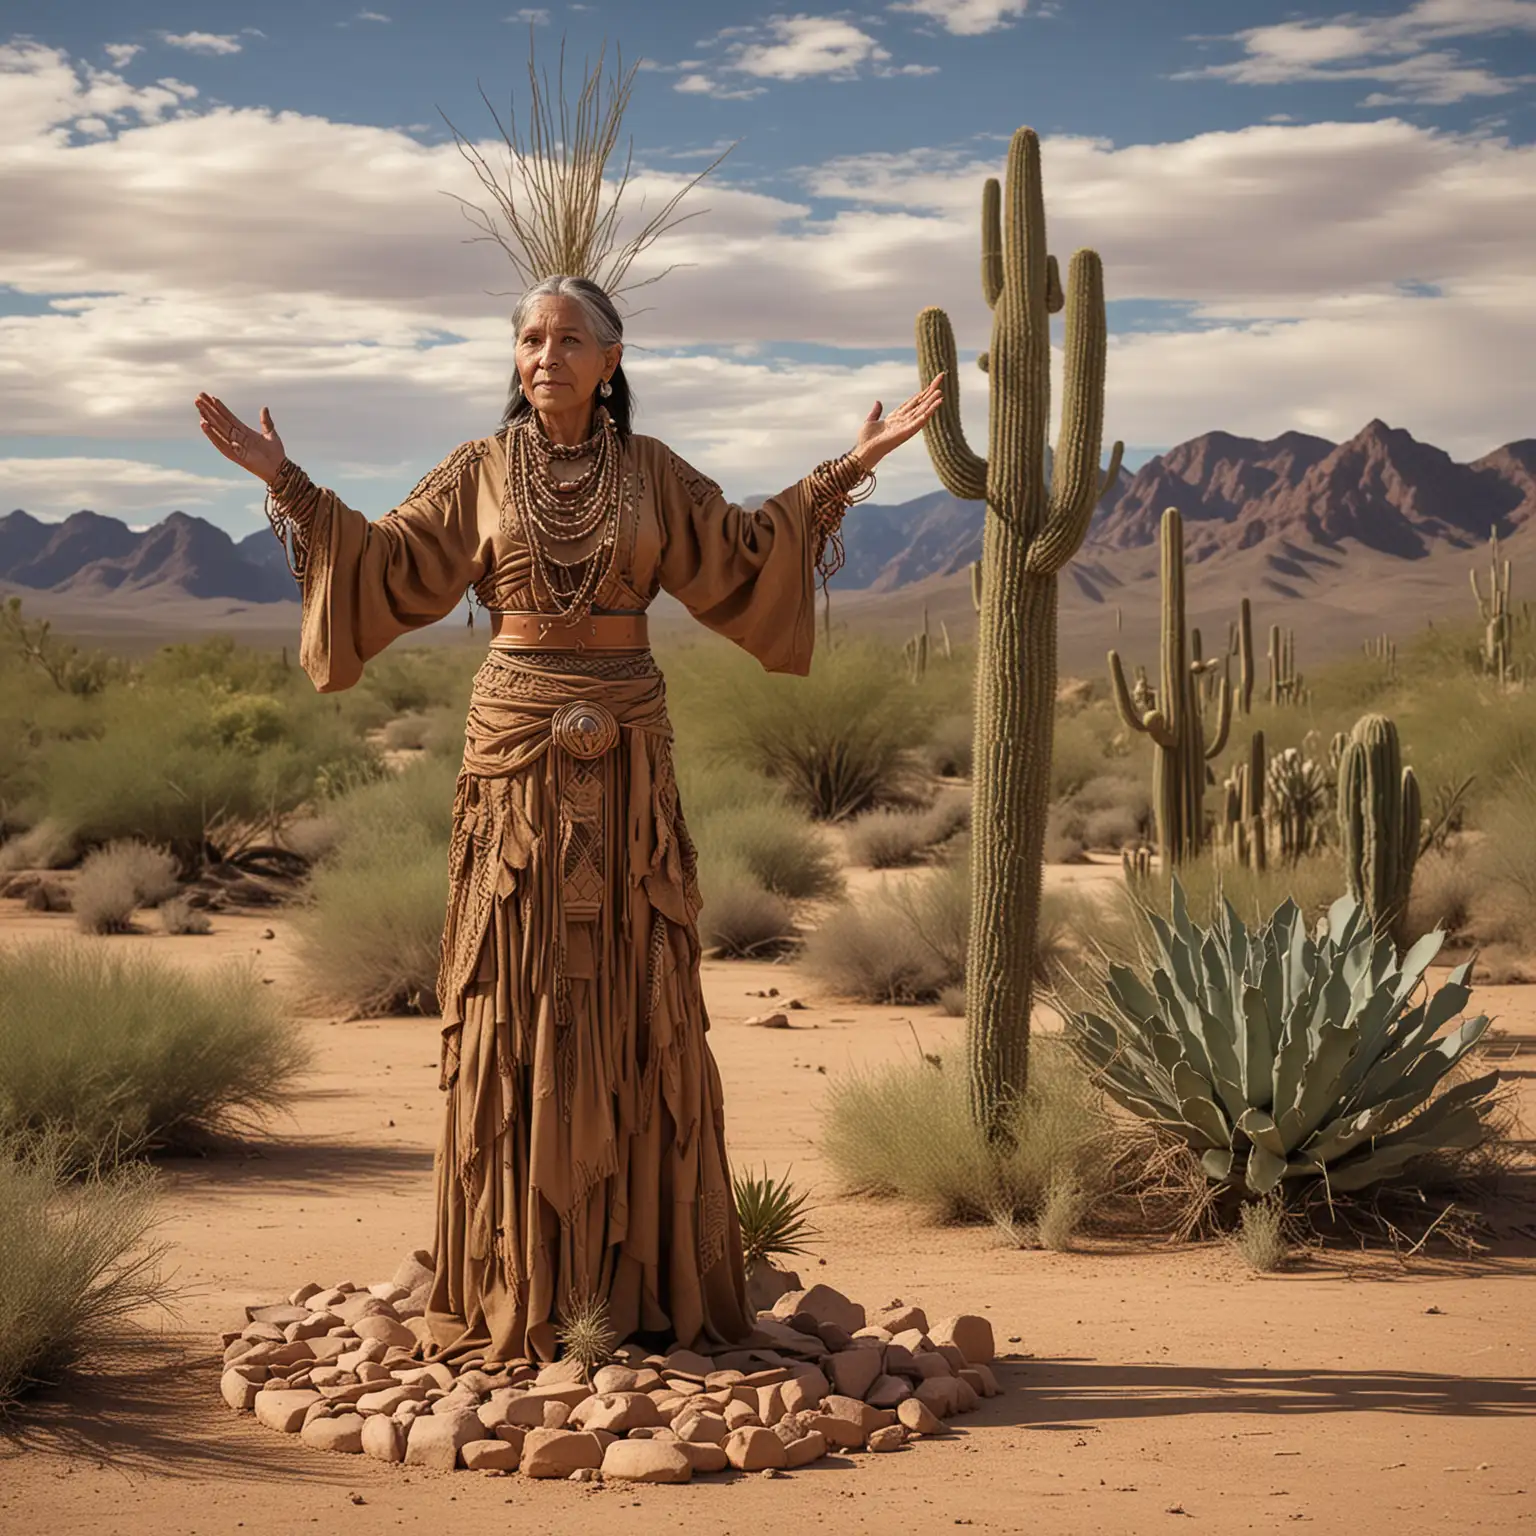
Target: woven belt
{"x": 549, "y": 632}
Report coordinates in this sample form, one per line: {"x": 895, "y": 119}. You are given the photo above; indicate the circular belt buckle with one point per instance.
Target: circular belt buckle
{"x": 584, "y": 728}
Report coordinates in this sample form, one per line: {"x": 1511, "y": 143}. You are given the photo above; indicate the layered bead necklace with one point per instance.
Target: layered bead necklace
{"x": 555, "y": 511}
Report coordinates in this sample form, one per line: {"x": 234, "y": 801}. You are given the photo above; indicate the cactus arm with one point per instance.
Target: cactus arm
{"x": 991, "y": 241}
{"x": 963, "y": 473}
{"x": 1075, "y": 484}
{"x": 1153, "y": 723}
{"x": 1112, "y": 474}
{"x": 1223, "y": 720}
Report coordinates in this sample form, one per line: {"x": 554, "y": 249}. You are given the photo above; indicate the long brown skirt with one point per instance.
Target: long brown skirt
{"x": 583, "y": 1148}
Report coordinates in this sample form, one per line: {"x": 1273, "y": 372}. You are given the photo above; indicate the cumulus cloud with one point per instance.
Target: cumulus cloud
{"x": 1303, "y": 275}
{"x": 786, "y": 48}
{"x": 52, "y": 488}
{"x": 1397, "y": 52}
{"x": 531, "y": 16}
{"x": 122, "y": 54}
{"x": 966, "y": 18}
{"x": 211, "y": 43}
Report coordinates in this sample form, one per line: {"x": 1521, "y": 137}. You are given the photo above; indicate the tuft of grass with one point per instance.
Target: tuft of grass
{"x": 772, "y": 1216}
{"x": 950, "y": 746}
{"x": 75, "y": 1262}
{"x": 109, "y": 1053}
{"x": 117, "y": 879}
{"x": 1260, "y": 1235}
{"x": 179, "y": 916}
{"x": 905, "y": 1130}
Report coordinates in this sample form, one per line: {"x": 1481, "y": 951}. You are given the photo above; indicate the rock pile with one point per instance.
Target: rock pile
{"x": 340, "y": 1368}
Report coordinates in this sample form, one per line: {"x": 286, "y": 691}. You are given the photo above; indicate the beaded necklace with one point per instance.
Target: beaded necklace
{"x": 555, "y": 511}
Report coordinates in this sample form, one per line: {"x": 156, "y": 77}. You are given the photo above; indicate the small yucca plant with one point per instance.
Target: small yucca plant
{"x": 772, "y": 1215}
{"x": 587, "y": 1334}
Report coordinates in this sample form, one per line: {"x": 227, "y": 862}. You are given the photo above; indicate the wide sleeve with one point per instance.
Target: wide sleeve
{"x": 750, "y": 575}
{"x": 365, "y": 583}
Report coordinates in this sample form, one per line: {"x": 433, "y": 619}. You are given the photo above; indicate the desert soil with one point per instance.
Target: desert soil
{"x": 1145, "y": 1385}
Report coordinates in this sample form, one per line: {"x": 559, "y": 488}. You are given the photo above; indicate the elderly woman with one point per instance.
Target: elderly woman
{"x": 583, "y": 1154}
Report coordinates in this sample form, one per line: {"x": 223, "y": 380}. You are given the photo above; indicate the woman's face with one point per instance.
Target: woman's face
{"x": 559, "y": 361}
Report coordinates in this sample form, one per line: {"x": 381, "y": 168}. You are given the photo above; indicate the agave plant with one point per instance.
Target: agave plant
{"x": 1282, "y": 1055}
{"x": 586, "y": 1334}
{"x": 772, "y": 1217}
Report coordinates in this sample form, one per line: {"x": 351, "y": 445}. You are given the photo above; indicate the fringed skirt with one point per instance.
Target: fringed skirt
{"x": 583, "y": 1150}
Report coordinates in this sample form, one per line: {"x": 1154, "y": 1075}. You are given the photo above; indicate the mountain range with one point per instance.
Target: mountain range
{"x": 1294, "y": 503}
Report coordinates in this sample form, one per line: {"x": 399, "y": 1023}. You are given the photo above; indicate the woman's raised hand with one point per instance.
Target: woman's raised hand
{"x": 260, "y": 452}
{"x": 879, "y": 434}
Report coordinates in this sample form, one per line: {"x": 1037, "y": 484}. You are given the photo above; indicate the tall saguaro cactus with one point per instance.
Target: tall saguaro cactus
{"x": 1174, "y": 719}
{"x": 1498, "y": 630}
{"x": 1037, "y": 514}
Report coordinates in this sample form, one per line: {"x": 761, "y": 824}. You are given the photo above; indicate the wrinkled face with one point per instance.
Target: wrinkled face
{"x": 559, "y": 361}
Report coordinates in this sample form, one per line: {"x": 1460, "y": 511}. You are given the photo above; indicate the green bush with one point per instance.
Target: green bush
{"x": 111, "y": 1053}
{"x": 117, "y": 879}
{"x": 775, "y": 843}
{"x": 840, "y": 741}
{"x": 950, "y": 745}
{"x": 75, "y": 1263}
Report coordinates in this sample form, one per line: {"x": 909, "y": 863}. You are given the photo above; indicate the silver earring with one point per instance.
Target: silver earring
{"x": 605, "y": 389}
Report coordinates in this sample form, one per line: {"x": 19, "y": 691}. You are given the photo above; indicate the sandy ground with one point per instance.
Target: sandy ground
{"x": 1146, "y": 1386}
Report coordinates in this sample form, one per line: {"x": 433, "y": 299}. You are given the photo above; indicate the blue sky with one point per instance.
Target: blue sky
{"x": 1308, "y": 217}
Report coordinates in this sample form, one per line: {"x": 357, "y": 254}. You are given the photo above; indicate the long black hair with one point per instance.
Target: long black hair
{"x": 607, "y": 330}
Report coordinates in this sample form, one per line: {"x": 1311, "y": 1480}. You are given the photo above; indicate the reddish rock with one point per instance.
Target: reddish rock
{"x": 888, "y": 1391}
{"x": 903, "y": 1319}
{"x": 701, "y": 1428}
{"x": 811, "y": 1446}
{"x": 435, "y": 1439}
{"x": 854, "y": 1371}
{"x": 414, "y": 1271}
{"x": 929, "y": 1363}
{"x": 490, "y": 1456}
{"x": 704, "y": 1457}
{"x": 971, "y": 1335}
{"x": 386, "y": 1330}
{"x": 560, "y": 1452}
{"x": 755, "y": 1449}
{"x": 617, "y": 1412}
{"x": 858, "y": 1413}
{"x": 839, "y": 1432}
{"x": 383, "y": 1439}
{"x": 940, "y": 1393}
{"x": 283, "y": 1410}
{"x": 237, "y": 1391}
{"x": 342, "y": 1432}
{"x": 891, "y": 1438}
{"x": 647, "y": 1461}
{"x": 916, "y": 1416}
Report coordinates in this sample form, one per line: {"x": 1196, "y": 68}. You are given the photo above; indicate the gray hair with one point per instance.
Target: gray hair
{"x": 601, "y": 316}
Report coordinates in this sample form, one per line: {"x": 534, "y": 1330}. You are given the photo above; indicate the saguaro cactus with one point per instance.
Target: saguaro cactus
{"x": 1032, "y": 528}
{"x": 1498, "y": 630}
{"x": 1379, "y": 817}
{"x": 1175, "y": 721}
{"x": 1245, "y": 659}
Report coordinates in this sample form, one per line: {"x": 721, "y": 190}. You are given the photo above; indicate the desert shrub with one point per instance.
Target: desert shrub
{"x": 1313, "y": 882}
{"x": 312, "y": 837}
{"x": 1503, "y": 860}
{"x": 179, "y": 916}
{"x": 1261, "y": 1234}
{"x": 905, "y": 1130}
{"x": 118, "y": 878}
{"x": 112, "y": 1053}
{"x": 75, "y": 1262}
{"x": 889, "y": 839}
{"x": 1281, "y": 1054}
{"x": 950, "y": 745}
{"x": 1065, "y": 831}
{"x": 903, "y": 943}
{"x": 741, "y": 918}
{"x": 775, "y": 843}
{"x": 433, "y": 730}
{"x": 369, "y": 931}
{"x": 45, "y": 846}
{"x": 840, "y": 741}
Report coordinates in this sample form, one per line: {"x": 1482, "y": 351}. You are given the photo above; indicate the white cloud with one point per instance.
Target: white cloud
{"x": 122, "y": 53}
{"x": 205, "y": 42}
{"x": 1295, "y": 250}
{"x": 531, "y": 16}
{"x": 1393, "y": 51}
{"x": 378, "y": 16}
{"x": 966, "y": 18}
{"x": 785, "y": 48}
{"x": 52, "y": 488}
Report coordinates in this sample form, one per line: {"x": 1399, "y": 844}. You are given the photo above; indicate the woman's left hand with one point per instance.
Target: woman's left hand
{"x": 880, "y": 434}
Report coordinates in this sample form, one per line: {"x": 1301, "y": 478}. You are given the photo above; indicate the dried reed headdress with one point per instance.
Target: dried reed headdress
{"x": 551, "y": 196}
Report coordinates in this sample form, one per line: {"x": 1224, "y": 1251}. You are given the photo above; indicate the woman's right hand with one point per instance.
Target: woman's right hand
{"x": 260, "y": 452}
